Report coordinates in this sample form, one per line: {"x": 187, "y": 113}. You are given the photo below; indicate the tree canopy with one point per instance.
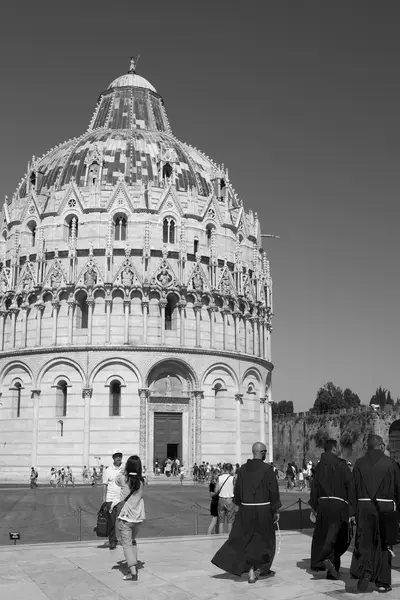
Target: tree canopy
{"x": 284, "y": 407}
{"x": 381, "y": 397}
{"x": 331, "y": 397}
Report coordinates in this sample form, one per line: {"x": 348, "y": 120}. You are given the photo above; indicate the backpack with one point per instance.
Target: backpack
{"x": 101, "y": 528}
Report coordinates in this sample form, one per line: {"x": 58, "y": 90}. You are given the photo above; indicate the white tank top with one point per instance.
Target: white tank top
{"x": 227, "y": 490}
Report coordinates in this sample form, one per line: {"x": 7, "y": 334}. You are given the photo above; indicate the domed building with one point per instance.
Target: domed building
{"x": 135, "y": 300}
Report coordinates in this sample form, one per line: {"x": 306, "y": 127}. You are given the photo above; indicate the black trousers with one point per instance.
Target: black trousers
{"x": 112, "y": 522}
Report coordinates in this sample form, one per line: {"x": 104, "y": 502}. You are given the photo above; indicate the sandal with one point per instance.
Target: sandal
{"x": 384, "y": 589}
{"x": 131, "y": 576}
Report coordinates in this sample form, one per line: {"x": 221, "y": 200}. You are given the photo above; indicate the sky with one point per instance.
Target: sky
{"x": 299, "y": 99}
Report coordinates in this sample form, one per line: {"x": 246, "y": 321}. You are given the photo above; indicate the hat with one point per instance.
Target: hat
{"x": 117, "y": 452}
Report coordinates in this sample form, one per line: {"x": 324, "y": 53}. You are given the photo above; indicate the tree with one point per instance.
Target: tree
{"x": 331, "y": 397}
{"x": 283, "y": 407}
{"x": 381, "y": 397}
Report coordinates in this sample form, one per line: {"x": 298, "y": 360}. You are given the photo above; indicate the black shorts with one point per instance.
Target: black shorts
{"x": 214, "y": 508}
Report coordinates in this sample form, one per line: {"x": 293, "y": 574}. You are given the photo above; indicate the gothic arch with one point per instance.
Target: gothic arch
{"x": 114, "y": 361}
{"x": 60, "y": 360}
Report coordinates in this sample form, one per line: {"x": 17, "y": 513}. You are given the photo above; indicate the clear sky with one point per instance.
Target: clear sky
{"x": 299, "y": 99}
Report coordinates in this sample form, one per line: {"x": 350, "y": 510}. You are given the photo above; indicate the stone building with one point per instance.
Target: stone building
{"x": 135, "y": 300}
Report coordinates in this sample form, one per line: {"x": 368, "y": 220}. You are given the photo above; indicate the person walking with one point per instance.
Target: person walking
{"x": 69, "y": 478}
{"x": 226, "y": 507}
{"x": 376, "y": 481}
{"x": 33, "y": 478}
{"x": 212, "y": 528}
{"x": 332, "y": 503}
{"x": 85, "y": 474}
{"x": 112, "y": 492}
{"x": 53, "y": 477}
{"x": 251, "y": 543}
{"x": 131, "y": 511}
{"x": 182, "y": 473}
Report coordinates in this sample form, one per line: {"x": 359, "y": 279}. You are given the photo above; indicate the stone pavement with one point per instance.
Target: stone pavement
{"x": 171, "y": 569}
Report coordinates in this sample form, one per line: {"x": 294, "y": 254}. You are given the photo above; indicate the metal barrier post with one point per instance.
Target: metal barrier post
{"x": 80, "y": 523}
{"x": 196, "y": 521}
{"x": 301, "y": 515}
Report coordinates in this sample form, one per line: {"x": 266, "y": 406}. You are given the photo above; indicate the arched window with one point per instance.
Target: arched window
{"x": 195, "y": 246}
{"x": 167, "y": 170}
{"x": 168, "y": 231}
{"x": 94, "y": 171}
{"x": 32, "y": 179}
{"x": 82, "y": 311}
{"x": 209, "y": 233}
{"x": 115, "y": 399}
{"x": 17, "y": 390}
{"x": 120, "y": 223}
{"x": 32, "y": 228}
{"x": 61, "y": 399}
{"x": 170, "y": 313}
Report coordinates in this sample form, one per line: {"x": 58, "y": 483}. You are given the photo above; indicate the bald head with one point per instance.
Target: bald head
{"x": 374, "y": 442}
{"x": 259, "y": 450}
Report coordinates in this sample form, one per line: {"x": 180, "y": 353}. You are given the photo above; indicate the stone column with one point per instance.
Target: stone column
{"x": 145, "y": 311}
{"x": 3, "y": 315}
{"x": 108, "y": 302}
{"x": 239, "y": 402}
{"x": 236, "y": 316}
{"x": 24, "y": 324}
{"x": 265, "y": 336}
{"x": 246, "y": 333}
{"x": 197, "y": 398}
{"x": 55, "y": 304}
{"x": 127, "y": 305}
{"x": 86, "y": 395}
{"x": 163, "y": 304}
{"x": 35, "y": 395}
{"x": 254, "y": 326}
{"x": 182, "y": 306}
{"x": 212, "y": 310}
{"x": 270, "y": 440}
{"x": 262, "y": 419}
{"x": 39, "y": 312}
{"x": 13, "y": 311}
{"x": 225, "y": 312}
{"x": 197, "y": 310}
{"x": 71, "y": 307}
{"x": 143, "y": 395}
{"x": 90, "y": 302}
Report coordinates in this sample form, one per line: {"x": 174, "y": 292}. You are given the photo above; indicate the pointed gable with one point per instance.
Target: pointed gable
{"x": 169, "y": 201}
{"x": 56, "y": 277}
{"x": 226, "y": 285}
{"x": 213, "y": 212}
{"x": 164, "y": 276}
{"x": 26, "y": 280}
{"x": 5, "y": 280}
{"x": 72, "y": 199}
{"x": 241, "y": 224}
{"x": 120, "y": 198}
{"x": 90, "y": 276}
{"x": 198, "y": 281}
{"x": 127, "y": 275}
{"x": 31, "y": 209}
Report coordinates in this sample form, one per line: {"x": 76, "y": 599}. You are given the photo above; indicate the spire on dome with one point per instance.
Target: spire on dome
{"x": 133, "y": 64}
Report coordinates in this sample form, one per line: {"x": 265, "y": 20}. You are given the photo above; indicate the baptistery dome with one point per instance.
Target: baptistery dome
{"x": 135, "y": 299}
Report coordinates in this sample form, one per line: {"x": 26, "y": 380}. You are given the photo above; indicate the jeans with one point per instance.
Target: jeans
{"x": 112, "y": 522}
{"x": 129, "y": 533}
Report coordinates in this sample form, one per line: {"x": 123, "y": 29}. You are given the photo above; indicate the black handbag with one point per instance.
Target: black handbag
{"x": 101, "y": 528}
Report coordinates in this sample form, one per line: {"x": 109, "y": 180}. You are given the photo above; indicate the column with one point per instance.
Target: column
{"x": 265, "y": 334}
{"x": 254, "y": 327}
{"x": 71, "y": 307}
{"x": 90, "y": 303}
{"x": 224, "y": 312}
{"x": 236, "y": 316}
{"x": 39, "y": 312}
{"x": 197, "y": 310}
{"x": 198, "y": 397}
{"x": 143, "y": 395}
{"x": 239, "y": 402}
{"x": 86, "y": 395}
{"x": 270, "y": 440}
{"x": 3, "y": 315}
{"x": 145, "y": 312}
{"x": 24, "y": 324}
{"x": 212, "y": 310}
{"x": 182, "y": 306}
{"x": 246, "y": 333}
{"x": 192, "y": 404}
{"x": 35, "y": 395}
{"x": 13, "y": 311}
{"x": 127, "y": 305}
{"x": 262, "y": 420}
{"x": 163, "y": 304}
{"x": 260, "y": 337}
{"x": 108, "y": 302}
{"x": 55, "y": 304}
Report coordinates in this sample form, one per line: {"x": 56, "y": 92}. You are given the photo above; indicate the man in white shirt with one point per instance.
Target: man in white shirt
{"x": 112, "y": 492}
{"x": 226, "y": 507}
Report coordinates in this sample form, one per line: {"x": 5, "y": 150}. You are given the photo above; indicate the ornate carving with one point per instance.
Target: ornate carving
{"x": 146, "y": 246}
{"x": 198, "y": 280}
{"x": 226, "y": 285}
{"x": 127, "y": 276}
{"x": 27, "y": 279}
{"x": 87, "y": 393}
{"x": 90, "y": 275}
{"x": 5, "y": 281}
{"x": 143, "y": 395}
{"x": 164, "y": 277}
{"x": 56, "y": 277}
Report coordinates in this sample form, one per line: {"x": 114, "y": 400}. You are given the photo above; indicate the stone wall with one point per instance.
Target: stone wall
{"x": 299, "y": 436}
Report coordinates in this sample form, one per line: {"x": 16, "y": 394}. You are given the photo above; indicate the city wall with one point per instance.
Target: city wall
{"x": 300, "y": 436}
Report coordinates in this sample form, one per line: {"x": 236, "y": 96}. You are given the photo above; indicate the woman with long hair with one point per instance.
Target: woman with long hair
{"x": 212, "y": 528}
{"x": 132, "y": 512}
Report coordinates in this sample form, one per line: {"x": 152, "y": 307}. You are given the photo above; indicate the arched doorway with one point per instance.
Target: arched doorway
{"x": 394, "y": 440}
{"x": 171, "y": 413}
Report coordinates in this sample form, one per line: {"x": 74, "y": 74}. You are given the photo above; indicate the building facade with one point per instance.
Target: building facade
{"x": 135, "y": 300}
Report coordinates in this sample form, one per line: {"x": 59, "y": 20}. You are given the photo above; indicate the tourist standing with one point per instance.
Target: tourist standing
{"x": 156, "y": 467}
{"x": 251, "y": 543}
{"x": 377, "y": 489}
{"x": 212, "y": 528}
{"x": 85, "y": 474}
{"x": 94, "y": 477}
{"x": 332, "y": 505}
{"x": 168, "y": 467}
{"x": 33, "y": 478}
{"x": 182, "y": 473}
{"x": 53, "y": 477}
{"x": 131, "y": 511}
{"x": 69, "y": 478}
{"x": 112, "y": 492}
{"x": 226, "y": 507}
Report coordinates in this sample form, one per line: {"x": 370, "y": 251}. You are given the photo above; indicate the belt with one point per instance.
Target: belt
{"x": 227, "y": 497}
{"x": 255, "y": 503}
{"x": 378, "y": 500}
{"x": 333, "y": 498}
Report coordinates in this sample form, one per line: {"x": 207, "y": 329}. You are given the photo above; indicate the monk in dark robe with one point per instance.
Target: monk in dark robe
{"x": 332, "y": 502}
{"x": 251, "y": 543}
{"x": 377, "y": 488}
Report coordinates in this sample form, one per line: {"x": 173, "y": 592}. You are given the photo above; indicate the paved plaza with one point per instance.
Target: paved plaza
{"x": 173, "y": 569}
